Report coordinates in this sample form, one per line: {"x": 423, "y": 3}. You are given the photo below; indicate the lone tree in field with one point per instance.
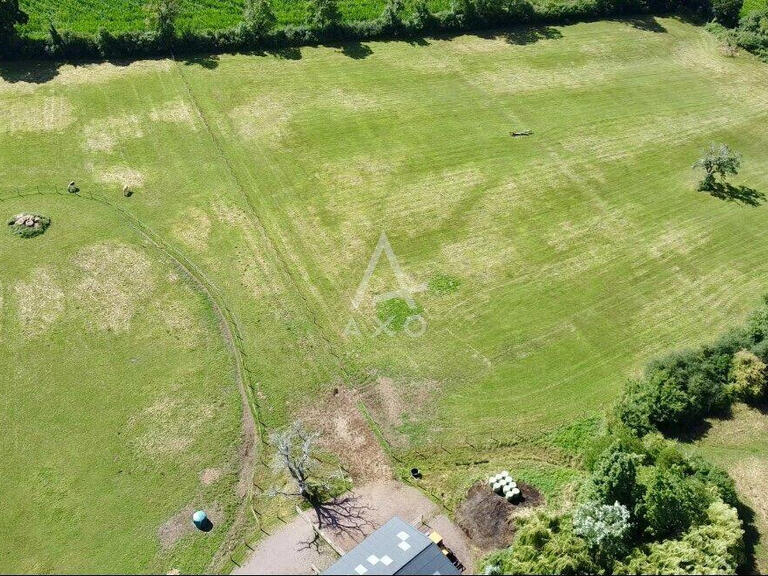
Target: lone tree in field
{"x": 719, "y": 161}
{"x": 258, "y": 17}
{"x": 295, "y": 449}
{"x": 10, "y": 15}
{"x": 323, "y": 14}
{"x": 162, "y": 16}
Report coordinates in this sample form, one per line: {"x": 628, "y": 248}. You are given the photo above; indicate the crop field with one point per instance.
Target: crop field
{"x": 536, "y": 273}
{"x": 124, "y": 15}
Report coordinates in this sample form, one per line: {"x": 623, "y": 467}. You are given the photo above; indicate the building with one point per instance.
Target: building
{"x": 395, "y": 548}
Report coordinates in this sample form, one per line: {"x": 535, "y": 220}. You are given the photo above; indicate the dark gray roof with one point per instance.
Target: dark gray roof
{"x": 395, "y": 548}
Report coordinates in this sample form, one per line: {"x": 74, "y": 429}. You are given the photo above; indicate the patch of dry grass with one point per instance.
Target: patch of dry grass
{"x": 39, "y": 301}
{"x": 51, "y": 114}
{"x": 193, "y": 229}
{"x": 116, "y": 278}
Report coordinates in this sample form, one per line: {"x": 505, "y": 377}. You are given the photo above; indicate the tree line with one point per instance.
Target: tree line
{"x": 324, "y": 23}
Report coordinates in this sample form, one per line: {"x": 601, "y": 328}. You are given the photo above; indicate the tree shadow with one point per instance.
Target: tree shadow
{"x": 417, "y": 41}
{"x": 751, "y": 539}
{"x": 356, "y": 50}
{"x": 691, "y": 433}
{"x": 207, "y": 61}
{"x": 531, "y": 34}
{"x": 646, "y": 23}
{"x": 739, "y": 194}
{"x": 287, "y": 53}
{"x": 344, "y": 515}
{"x": 34, "y": 72}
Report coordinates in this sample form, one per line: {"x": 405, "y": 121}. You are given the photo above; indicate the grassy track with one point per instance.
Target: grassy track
{"x": 579, "y": 252}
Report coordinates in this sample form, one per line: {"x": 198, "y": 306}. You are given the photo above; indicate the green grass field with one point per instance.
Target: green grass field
{"x": 548, "y": 268}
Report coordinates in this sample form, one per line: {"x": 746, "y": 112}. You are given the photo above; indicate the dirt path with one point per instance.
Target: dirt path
{"x": 285, "y": 552}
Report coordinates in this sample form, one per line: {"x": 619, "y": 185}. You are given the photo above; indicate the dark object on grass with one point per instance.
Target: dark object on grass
{"x": 72, "y": 188}
{"x": 28, "y": 225}
{"x": 416, "y": 473}
{"x": 522, "y": 133}
{"x": 127, "y": 192}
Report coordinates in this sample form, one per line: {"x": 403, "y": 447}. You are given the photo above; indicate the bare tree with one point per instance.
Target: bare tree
{"x": 295, "y": 449}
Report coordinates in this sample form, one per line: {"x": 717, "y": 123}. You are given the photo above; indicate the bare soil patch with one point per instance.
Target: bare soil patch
{"x": 346, "y": 433}
{"x": 210, "y": 476}
{"x": 489, "y": 520}
{"x": 391, "y": 403}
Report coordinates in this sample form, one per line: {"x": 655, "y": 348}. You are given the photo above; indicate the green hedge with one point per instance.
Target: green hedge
{"x": 464, "y": 15}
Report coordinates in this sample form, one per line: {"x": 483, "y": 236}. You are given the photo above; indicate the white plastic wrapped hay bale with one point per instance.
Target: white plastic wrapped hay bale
{"x": 514, "y": 496}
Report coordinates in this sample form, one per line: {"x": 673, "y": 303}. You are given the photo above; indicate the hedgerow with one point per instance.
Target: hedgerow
{"x": 324, "y": 25}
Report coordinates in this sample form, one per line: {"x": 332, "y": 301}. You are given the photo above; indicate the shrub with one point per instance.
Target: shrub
{"x": 421, "y": 17}
{"x": 747, "y": 376}
{"x": 323, "y": 14}
{"x": 161, "y": 17}
{"x": 604, "y": 528}
{"x": 392, "y": 17}
{"x": 258, "y": 18}
{"x": 727, "y": 11}
{"x": 544, "y": 545}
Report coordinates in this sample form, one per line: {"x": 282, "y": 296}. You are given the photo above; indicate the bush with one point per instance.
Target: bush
{"x": 323, "y": 14}
{"x": 747, "y": 376}
{"x": 258, "y": 18}
{"x": 544, "y": 545}
{"x": 604, "y": 528}
{"x": 727, "y": 11}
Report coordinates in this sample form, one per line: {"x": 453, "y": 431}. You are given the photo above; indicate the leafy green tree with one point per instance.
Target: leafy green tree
{"x": 614, "y": 478}
{"x": 323, "y": 14}
{"x": 714, "y": 548}
{"x": 258, "y": 17}
{"x": 605, "y": 528}
{"x": 673, "y": 503}
{"x": 747, "y": 376}
{"x": 10, "y": 15}
{"x": 162, "y": 16}
{"x": 727, "y": 12}
{"x": 719, "y": 161}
